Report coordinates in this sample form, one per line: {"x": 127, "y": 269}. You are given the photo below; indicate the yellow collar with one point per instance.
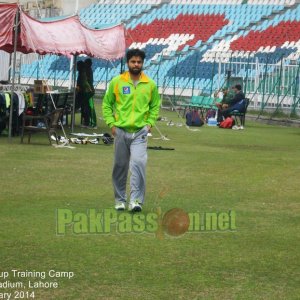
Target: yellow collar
{"x": 126, "y": 76}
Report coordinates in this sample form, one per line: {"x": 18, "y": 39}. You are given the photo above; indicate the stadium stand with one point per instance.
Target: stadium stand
{"x": 194, "y": 46}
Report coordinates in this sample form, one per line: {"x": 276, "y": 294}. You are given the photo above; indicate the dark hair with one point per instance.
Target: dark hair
{"x": 80, "y": 65}
{"x": 238, "y": 87}
{"x": 135, "y": 52}
{"x": 88, "y": 62}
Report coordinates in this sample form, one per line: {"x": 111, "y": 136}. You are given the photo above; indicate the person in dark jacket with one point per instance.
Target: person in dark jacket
{"x": 237, "y": 103}
{"x": 90, "y": 79}
{"x": 84, "y": 92}
{"x": 89, "y": 73}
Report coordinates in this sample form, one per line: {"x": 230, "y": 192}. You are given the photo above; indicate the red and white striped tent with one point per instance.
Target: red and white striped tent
{"x": 66, "y": 36}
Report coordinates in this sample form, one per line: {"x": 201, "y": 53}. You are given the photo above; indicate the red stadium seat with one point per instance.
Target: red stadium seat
{"x": 272, "y": 36}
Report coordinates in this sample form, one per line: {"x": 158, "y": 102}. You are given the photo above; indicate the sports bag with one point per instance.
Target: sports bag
{"x": 227, "y": 123}
{"x": 193, "y": 118}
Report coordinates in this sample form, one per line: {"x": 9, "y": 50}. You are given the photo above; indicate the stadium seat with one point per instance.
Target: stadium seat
{"x": 221, "y": 31}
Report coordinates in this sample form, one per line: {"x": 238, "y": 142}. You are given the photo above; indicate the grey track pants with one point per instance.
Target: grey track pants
{"x": 130, "y": 154}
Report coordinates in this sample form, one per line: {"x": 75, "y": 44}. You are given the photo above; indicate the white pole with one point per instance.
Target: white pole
{"x": 257, "y": 74}
{"x": 70, "y": 84}
{"x": 13, "y": 74}
{"x": 72, "y": 76}
{"x": 72, "y": 57}
{"x": 76, "y": 7}
{"x": 74, "y": 91}
{"x": 219, "y": 74}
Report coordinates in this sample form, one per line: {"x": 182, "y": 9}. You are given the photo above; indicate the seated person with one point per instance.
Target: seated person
{"x": 237, "y": 103}
{"x": 218, "y": 94}
{"x": 226, "y": 99}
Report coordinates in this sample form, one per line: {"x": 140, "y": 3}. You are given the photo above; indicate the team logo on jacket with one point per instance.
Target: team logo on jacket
{"x": 126, "y": 90}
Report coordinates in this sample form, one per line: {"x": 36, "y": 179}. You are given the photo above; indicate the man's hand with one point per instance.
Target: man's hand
{"x": 113, "y": 130}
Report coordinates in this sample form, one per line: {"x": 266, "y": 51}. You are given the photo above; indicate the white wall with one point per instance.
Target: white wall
{"x": 69, "y": 6}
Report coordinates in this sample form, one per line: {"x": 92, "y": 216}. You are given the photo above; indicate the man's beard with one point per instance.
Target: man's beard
{"x": 135, "y": 71}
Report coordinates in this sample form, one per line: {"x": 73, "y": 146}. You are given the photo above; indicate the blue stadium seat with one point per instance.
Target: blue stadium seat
{"x": 172, "y": 41}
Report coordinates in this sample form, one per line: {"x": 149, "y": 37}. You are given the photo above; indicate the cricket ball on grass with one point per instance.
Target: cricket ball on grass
{"x": 176, "y": 222}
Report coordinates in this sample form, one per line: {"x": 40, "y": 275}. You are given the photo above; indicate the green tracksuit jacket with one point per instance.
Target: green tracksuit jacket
{"x": 129, "y": 107}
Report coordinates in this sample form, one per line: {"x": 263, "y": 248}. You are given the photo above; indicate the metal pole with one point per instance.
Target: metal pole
{"x": 212, "y": 76}
{"x": 158, "y": 69}
{"x": 157, "y": 72}
{"x": 70, "y": 84}
{"x": 106, "y": 75}
{"x": 195, "y": 72}
{"x": 219, "y": 73}
{"x": 257, "y": 90}
{"x": 281, "y": 77}
{"x": 273, "y": 90}
{"x": 264, "y": 84}
{"x": 55, "y": 74}
{"x": 38, "y": 69}
{"x": 13, "y": 74}
{"x": 175, "y": 73}
{"x": 9, "y": 69}
{"x": 246, "y": 78}
{"x": 74, "y": 92}
{"x": 257, "y": 74}
{"x": 76, "y": 6}
{"x": 296, "y": 89}
{"x": 286, "y": 92}
{"x": 229, "y": 70}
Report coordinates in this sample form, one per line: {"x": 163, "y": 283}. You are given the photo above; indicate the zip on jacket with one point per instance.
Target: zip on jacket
{"x": 131, "y": 107}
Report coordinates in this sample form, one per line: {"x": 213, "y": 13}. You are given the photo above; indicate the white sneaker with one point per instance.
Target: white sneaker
{"x": 235, "y": 127}
{"x": 94, "y": 141}
{"x": 241, "y": 127}
{"x": 120, "y": 206}
{"x": 134, "y": 206}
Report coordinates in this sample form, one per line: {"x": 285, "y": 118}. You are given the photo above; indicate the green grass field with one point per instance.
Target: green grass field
{"x": 254, "y": 172}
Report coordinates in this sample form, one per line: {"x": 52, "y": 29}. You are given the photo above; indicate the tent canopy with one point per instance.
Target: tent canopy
{"x": 62, "y": 37}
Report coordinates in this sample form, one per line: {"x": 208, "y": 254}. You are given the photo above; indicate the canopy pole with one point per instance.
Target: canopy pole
{"x": 71, "y": 81}
{"x": 74, "y": 91}
{"x": 13, "y": 75}
{"x": 76, "y": 6}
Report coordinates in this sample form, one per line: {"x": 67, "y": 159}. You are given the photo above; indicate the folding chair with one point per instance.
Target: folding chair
{"x": 62, "y": 102}
{"x": 43, "y": 123}
{"x": 240, "y": 114}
